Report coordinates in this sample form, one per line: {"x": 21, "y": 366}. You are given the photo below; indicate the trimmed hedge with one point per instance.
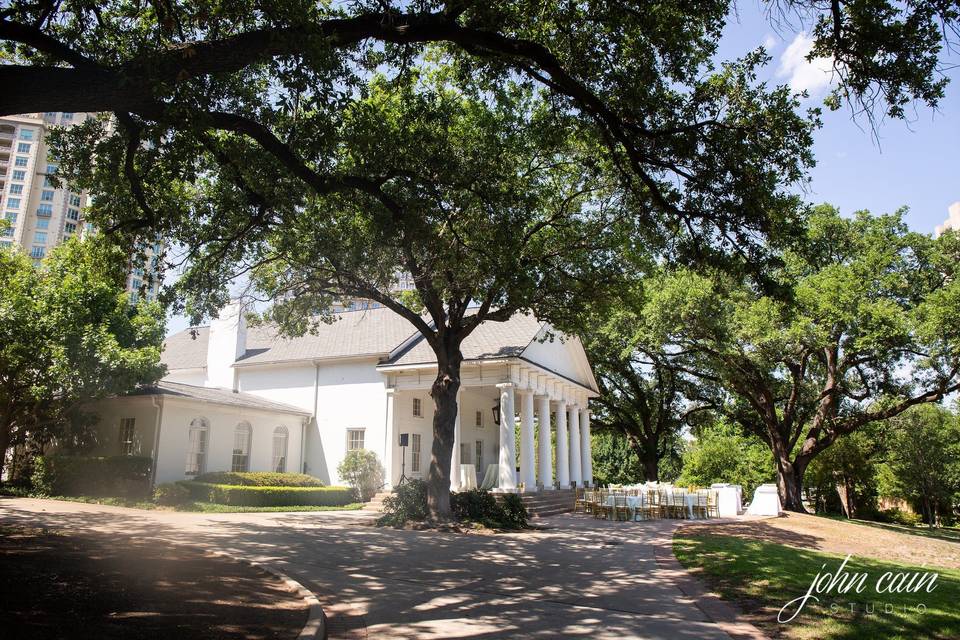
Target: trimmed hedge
{"x": 248, "y": 496}
{"x": 114, "y": 476}
{"x": 259, "y": 479}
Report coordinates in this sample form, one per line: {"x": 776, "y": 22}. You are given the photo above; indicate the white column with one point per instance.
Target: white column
{"x": 545, "y": 470}
{"x": 507, "y": 478}
{"x": 586, "y": 448}
{"x": 528, "y": 470}
{"x": 455, "y": 454}
{"x": 563, "y": 461}
{"x": 390, "y": 445}
{"x": 575, "y": 471}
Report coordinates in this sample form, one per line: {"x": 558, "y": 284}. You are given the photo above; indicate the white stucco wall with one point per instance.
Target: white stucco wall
{"x": 175, "y": 425}
{"x": 350, "y": 395}
{"x": 564, "y": 357}
{"x": 111, "y": 411}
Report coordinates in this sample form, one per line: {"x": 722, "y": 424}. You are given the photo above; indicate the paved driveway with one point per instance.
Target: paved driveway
{"x": 580, "y": 578}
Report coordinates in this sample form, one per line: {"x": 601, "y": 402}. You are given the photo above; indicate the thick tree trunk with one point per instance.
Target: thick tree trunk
{"x": 444, "y": 394}
{"x": 790, "y": 481}
{"x": 6, "y": 426}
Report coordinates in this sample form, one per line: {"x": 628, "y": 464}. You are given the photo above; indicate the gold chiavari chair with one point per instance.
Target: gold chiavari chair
{"x": 713, "y": 504}
{"x": 700, "y": 509}
{"x": 621, "y": 509}
{"x": 581, "y": 500}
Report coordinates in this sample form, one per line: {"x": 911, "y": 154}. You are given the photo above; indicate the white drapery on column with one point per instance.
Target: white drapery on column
{"x": 390, "y": 435}
{"x": 545, "y": 466}
{"x": 586, "y": 448}
{"x": 575, "y": 470}
{"x": 563, "y": 460}
{"x": 507, "y": 476}
{"x": 527, "y": 455}
{"x": 455, "y": 455}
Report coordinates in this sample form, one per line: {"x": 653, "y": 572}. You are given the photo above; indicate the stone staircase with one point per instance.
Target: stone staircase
{"x": 376, "y": 502}
{"x": 548, "y": 503}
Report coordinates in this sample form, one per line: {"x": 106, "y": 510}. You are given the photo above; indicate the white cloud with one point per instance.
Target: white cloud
{"x": 769, "y": 42}
{"x": 803, "y": 75}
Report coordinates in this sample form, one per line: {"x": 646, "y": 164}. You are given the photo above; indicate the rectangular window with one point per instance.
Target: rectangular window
{"x": 464, "y": 453}
{"x": 127, "y": 429}
{"x": 43, "y": 223}
{"x": 415, "y": 452}
{"x": 479, "y": 454}
{"x": 47, "y": 182}
{"x": 69, "y": 227}
{"x": 23, "y": 147}
{"x": 11, "y": 216}
{"x": 16, "y": 189}
{"x": 478, "y": 419}
{"x": 21, "y": 161}
{"x": 73, "y": 214}
{"x": 40, "y": 237}
{"x": 67, "y": 116}
{"x": 417, "y": 408}
{"x": 46, "y": 195}
{"x": 280, "y": 435}
{"x": 7, "y": 233}
{"x": 38, "y": 252}
{"x": 241, "y": 450}
{"x": 45, "y": 210}
{"x": 75, "y": 201}
{"x": 13, "y": 203}
{"x": 26, "y": 134}
{"x": 51, "y": 169}
{"x": 354, "y": 439}
{"x": 19, "y": 175}
{"x": 197, "y": 450}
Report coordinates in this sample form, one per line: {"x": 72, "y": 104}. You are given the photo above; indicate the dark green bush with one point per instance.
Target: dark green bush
{"x": 114, "y": 476}
{"x": 259, "y": 479}
{"x": 898, "y": 516}
{"x": 505, "y": 511}
{"x": 251, "y": 496}
{"x": 514, "y": 513}
{"x": 171, "y": 494}
{"x": 408, "y": 503}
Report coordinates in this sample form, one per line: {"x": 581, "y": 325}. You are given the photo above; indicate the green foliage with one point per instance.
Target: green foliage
{"x": 68, "y": 334}
{"x": 851, "y": 465}
{"x": 408, "y": 503}
{"x": 259, "y": 479}
{"x": 361, "y": 469}
{"x": 115, "y": 476}
{"x": 171, "y": 494}
{"x": 614, "y": 462}
{"x": 924, "y": 457}
{"x": 483, "y": 507}
{"x": 899, "y": 516}
{"x": 260, "y": 496}
{"x": 721, "y": 453}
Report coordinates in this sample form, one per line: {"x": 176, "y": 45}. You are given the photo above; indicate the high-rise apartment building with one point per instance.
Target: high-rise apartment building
{"x": 40, "y": 215}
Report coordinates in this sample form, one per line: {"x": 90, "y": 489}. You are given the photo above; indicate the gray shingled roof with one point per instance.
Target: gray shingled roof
{"x": 217, "y": 396}
{"x": 372, "y": 332}
{"x": 489, "y": 340}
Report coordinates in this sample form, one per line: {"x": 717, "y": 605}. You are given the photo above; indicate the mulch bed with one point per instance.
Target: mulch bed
{"x": 59, "y": 585}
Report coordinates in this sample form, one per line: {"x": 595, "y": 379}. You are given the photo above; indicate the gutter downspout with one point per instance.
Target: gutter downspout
{"x": 158, "y": 403}
{"x": 303, "y": 425}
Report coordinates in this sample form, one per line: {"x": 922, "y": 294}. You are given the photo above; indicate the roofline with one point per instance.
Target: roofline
{"x": 174, "y": 396}
{"x": 311, "y": 361}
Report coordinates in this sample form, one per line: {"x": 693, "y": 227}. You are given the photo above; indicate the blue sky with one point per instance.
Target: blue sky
{"x": 914, "y": 164}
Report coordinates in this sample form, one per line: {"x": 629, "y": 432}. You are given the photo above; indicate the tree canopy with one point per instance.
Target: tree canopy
{"x": 68, "y": 334}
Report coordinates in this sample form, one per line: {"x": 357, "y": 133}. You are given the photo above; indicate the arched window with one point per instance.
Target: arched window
{"x": 241, "y": 447}
{"x": 197, "y": 446}
{"x": 280, "y": 438}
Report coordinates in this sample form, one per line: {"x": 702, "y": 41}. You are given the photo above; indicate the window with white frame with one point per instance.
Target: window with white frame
{"x": 241, "y": 447}
{"x": 415, "y": 452}
{"x": 464, "y": 453}
{"x": 354, "y": 439}
{"x": 417, "y": 408}
{"x": 478, "y": 419}
{"x": 280, "y": 438}
{"x": 197, "y": 446}
{"x": 127, "y": 433}
{"x": 479, "y": 453}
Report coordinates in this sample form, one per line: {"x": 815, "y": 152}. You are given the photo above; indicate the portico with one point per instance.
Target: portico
{"x": 520, "y": 426}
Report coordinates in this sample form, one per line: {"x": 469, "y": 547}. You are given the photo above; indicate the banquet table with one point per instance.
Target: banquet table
{"x": 728, "y": 499}
{"x": 468, "y": 477}
{"x": 766, "y": 501}
{"x": 635, "y": 502}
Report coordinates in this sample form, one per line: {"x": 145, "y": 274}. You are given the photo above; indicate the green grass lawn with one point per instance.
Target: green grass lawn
{"x": 762, "y": 577}
{"x": 950, "y": 534}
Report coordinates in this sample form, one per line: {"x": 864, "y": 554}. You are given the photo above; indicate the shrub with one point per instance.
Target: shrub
{"x": 898, "y": 516}
{"x": 259, "y": 479}
{"x": 484, "y": 507}
{"x": 362, "y": 470}
{"x": 253, "y": 496}
{"x": 171, "y": 494}
{"x": 408, "y": 502}
{"x": 115, "y": 476}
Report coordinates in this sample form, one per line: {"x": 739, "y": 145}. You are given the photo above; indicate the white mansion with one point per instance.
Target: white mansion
{"x": 245, "y": 399}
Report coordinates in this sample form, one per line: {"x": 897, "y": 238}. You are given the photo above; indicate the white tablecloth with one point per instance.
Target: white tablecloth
{"x": 766, "y": 501}
{"x": 634, "y": 502}
{"x": 468, "y": 477}
{"x": 728, "y": 499}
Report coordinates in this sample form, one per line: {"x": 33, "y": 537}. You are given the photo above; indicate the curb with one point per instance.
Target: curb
{"x": 316, "y": 625}
{"x": 718, "y": 611}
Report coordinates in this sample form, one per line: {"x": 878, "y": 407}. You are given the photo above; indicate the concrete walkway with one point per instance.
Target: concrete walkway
{"x": 580, "y": 578}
